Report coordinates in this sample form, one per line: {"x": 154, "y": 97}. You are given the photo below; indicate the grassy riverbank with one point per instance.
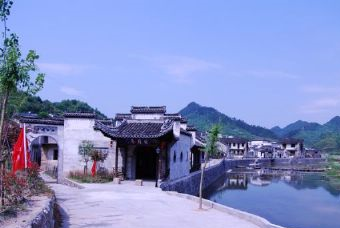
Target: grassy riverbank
{"x": 333, "y": 170}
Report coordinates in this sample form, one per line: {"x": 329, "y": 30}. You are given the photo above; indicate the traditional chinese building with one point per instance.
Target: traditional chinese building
{"x": 143, "y": 144}
{"x": 151, "y": 142}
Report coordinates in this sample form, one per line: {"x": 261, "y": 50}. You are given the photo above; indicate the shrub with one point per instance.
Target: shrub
{"x": 21, "y": 185}
{"x": 15, "y": 189}
{"x": 36, "y": 184}
{"x": 102, "y": 176}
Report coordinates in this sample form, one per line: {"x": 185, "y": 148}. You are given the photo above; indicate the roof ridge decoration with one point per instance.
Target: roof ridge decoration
{"x": 46, "y": 121}
{"x": 84, "y": 115}
{"x": 122, "y": 116}
{"x": 148, "y": 109}
{"x": 191, "y": 128}
{"x": 166, "y": 125}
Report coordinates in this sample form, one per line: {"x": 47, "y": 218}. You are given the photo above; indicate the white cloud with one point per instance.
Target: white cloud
{"x": 321, "y": 105}
{"x": 271, "y": 74}
{"x": 180, "y": 66}
{"x": 182, "y": 69}
{"x": 320, "y": 89}
{"x": 63, "y": 68}
{"x": 70, "y": 91}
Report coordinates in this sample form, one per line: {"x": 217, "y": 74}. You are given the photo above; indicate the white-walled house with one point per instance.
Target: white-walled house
{"x": 143, "y": 144}
{"x": 236, "y": 148}
{"x": 292, "y": 147}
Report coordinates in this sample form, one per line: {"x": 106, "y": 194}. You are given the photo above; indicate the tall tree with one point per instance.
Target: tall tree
{"x": 210, "y": 150}
{"x": 15, "y": 70}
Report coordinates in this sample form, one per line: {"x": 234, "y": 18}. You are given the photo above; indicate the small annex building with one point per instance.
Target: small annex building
{"x": 143, "y": 144}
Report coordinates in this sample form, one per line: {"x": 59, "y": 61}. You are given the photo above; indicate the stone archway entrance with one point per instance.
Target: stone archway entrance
{"x": 44, "y": 151}
{"x": 45, "y": 140}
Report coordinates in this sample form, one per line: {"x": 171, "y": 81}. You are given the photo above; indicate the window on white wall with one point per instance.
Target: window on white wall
{"x": 181, "y": 157}
{"x": 174, "y": 159}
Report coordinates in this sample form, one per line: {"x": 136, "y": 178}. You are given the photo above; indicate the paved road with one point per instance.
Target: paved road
{"x": 130, "y": 206}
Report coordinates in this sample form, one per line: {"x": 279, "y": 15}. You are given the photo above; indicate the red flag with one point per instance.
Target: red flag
{"x": 18, "y": 156}
{"x": 94, "y": 168}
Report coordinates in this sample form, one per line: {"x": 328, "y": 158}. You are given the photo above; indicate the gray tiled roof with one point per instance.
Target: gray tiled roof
{"x": 185, "y": 132}
{"x": 191, "y": 128}
{"x": 148, "y": 109}
{"x": 183, "y": 120}
{"x": 107, "y": 122}
{"x": 46, "y": 121}
{"x": 173, "y": 116}
{"x": 136, "y": 129}
{"x": 80, "y": 115}
{"x": 123, "y": 116}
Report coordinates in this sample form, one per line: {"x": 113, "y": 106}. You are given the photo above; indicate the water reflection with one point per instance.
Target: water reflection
{"x": 288, "y": 198}
{"x": 240, "y": 179}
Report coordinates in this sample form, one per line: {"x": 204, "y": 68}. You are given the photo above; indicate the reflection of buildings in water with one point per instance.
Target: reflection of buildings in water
{"x": 297, "y": 180}
{"x": 235, "y": 181}
{"x": 257, "y": 181}
{"x": 286, "y": 178}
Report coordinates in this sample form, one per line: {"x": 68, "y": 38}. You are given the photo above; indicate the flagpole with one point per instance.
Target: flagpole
{"x": 25, "y": 149}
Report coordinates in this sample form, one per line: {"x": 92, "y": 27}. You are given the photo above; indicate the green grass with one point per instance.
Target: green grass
{"x": 333, "y": 171}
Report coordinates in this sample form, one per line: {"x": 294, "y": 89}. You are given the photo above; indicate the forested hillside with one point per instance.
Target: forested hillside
{"x": 23, "y": 103}
{"x": 204, "y": 117}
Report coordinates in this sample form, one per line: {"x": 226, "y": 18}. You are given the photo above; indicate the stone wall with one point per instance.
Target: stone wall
{"x": 190, "y": 184}
{"x": 298, "y": 161}
{"x": 45, "y": 219}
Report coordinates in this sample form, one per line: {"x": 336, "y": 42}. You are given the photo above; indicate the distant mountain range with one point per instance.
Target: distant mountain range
{"x": 204, "y": 117}
{"x": 325, "y": 137}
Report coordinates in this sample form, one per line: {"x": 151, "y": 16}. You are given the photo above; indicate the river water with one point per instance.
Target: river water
{"x": 289, "y": 199}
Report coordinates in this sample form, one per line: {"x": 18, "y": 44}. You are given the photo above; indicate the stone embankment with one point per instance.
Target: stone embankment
{"x": 190, "y": 184}
{"x": 39, "y": 213}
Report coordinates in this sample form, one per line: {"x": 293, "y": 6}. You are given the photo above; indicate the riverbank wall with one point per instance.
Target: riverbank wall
{"x": 190, "y": 184}
{"x": 45, "y": 218}
{"x": 298, "y": 161}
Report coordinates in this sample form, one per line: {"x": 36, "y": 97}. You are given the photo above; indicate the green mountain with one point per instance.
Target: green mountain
{"x": 325, "y": 137}
{"x": 23, "y": 103}
{"x": 204, "y": 117}
{"x": 294, "y": 127}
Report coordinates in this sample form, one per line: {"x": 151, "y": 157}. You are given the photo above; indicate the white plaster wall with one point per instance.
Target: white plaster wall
{"x": 222, "y": 147}
{"x": 238, "y": 146}
{"x": 77, "y": 130}
{"x": 147, "y": 116}
{"x": 184, "y": 126}
{"x": 180, "y": 168}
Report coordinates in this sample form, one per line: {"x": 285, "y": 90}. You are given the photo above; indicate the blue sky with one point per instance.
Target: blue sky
{"x": 266, "y": 62}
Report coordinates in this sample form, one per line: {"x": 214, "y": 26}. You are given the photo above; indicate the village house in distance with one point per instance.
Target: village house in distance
{"x": 240, "y": 148}
{"x": 143, "y": 144}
